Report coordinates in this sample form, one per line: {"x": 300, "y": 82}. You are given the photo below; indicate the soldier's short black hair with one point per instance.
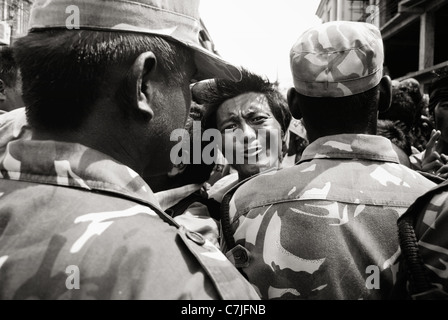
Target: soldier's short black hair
{"x": 350, "y": 114}
{"x": 64, "y": 72}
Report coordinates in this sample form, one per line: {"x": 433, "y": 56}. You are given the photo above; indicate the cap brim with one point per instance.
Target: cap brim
{"x": 211, "y": 66}
{"x": 175, "y": 20}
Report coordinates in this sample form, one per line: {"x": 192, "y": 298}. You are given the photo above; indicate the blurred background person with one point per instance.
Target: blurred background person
{"x": 422, "y": 125}
{"x": 10, "y": 81}
{"x": 433, "y": 160}
{"x": 407, "y": 111}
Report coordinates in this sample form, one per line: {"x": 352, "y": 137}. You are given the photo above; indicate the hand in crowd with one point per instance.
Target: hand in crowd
{"x": 433, "y": 161}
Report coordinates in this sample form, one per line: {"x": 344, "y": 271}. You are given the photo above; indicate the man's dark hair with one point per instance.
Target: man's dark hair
{"x": 438, "y": 91}
{"x": 395, "y": 131}
{"x": 250, "y": 82}
{"x": 8, "y": 68}
{"x": 403, "y": 109}
{"x": 64, "y": 72}
{"x": 350, "y": 114}
{"x": 407, "y": 107}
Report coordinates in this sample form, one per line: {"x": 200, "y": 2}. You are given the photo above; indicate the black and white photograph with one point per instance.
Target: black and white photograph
{"x": 226, "y": 159}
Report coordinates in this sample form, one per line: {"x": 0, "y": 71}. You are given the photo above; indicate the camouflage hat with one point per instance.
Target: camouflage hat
{"x": 172, "y": 19}
{"x": 337, "y": 59}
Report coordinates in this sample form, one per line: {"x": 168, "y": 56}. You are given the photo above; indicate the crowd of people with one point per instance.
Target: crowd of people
{"x": 336, "y": 191}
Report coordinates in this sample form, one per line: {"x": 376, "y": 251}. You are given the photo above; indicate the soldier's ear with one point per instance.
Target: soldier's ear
{"x": 385, "y": 99}
{"x": 293, "y": 103}
{"x": 141, "y": 73}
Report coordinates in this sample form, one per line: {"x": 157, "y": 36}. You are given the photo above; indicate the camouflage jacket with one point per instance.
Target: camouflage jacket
{"x": 428, "y": 217}
{"x": 325, "y": 228}
{"x": 76, "y": 224}
{"x": 196, "y": 216}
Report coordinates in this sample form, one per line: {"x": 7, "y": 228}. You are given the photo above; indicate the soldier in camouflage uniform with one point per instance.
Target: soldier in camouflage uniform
{"x": 77, "y": 221}
{"x": 326, "y": 227}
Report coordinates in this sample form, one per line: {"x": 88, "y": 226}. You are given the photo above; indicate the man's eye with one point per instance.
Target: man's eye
{"x": 258, "y": 120}
{"x": 231, "y": 126}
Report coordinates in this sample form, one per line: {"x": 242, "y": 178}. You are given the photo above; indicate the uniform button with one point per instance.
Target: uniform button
{"x": 240, "y": 256}
{"x": 195, "y": 237}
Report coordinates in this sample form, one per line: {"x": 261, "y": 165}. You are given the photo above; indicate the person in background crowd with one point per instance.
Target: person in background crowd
{"x": 422, "y": 125}
{"x": 407, "y": 110}
{"x": 434, "y": 159}
{"x": 102, "y": 100}
{"x": 10, "y": 81}
{"x": 254, "y": 109}
{"x": 326, "y": 227}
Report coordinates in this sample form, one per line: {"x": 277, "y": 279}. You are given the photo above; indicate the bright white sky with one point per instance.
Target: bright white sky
{"x": 258, "y": 34}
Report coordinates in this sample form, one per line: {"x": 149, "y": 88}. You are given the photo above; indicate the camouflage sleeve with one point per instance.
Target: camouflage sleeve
{"x": 433, "y": 242}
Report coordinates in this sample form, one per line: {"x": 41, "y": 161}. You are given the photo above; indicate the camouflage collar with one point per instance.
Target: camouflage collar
{"x": 170, "y": 197}
{"x": 351, "y": 146}
{"x": 71, "y": 165}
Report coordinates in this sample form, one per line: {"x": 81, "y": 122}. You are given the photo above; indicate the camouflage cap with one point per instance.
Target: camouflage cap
{"x": 172, "y": 19}
{"x": 336, "y": 59}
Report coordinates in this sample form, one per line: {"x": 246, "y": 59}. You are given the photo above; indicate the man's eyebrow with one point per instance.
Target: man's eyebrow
{"x": 231, "y": 117}
{"x": 250, "y": 113}
{"x": 255, "y": 110}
